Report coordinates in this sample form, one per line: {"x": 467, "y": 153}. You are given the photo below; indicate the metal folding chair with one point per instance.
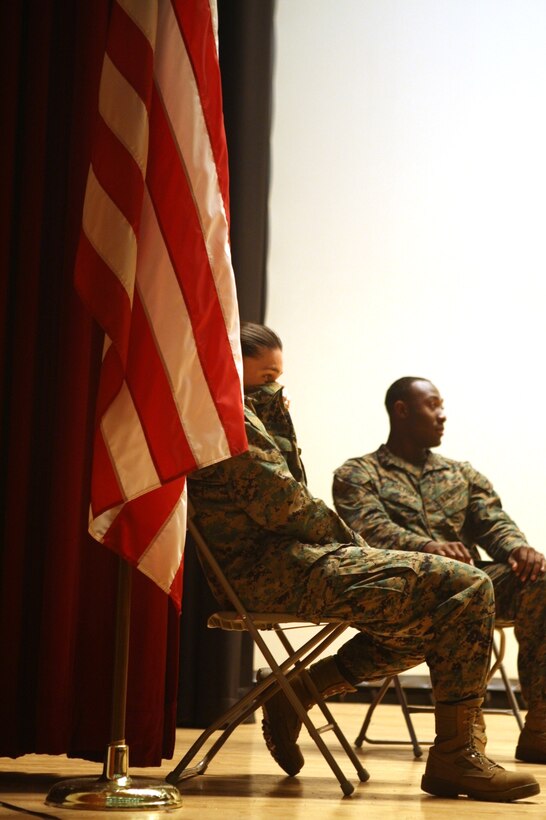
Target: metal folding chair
{"x": 294, "y": 665}
{"x": 408, "y": 709}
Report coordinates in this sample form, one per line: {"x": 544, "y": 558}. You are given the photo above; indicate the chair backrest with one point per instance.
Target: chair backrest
{"x": 212, "y": 569}
{"x": 241, "y": 619}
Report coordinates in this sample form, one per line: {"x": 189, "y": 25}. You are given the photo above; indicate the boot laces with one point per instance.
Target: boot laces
{"x": 473, "y": 751}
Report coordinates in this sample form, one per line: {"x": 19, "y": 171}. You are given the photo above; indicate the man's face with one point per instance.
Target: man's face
{"x": 425, "y": 416}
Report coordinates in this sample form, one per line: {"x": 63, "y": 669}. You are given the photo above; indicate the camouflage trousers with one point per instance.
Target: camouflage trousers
{"x": 409, "y": 608}
{"x": 524, "y": 607}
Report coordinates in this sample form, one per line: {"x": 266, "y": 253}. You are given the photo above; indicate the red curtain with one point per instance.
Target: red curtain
{"x": 58, "y": 586}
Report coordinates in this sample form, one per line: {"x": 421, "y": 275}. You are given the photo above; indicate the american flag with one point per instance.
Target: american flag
{"x": 154, "y": 268}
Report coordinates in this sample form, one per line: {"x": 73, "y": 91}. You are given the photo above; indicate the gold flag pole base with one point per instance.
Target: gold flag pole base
{"x": 115, "y": 790}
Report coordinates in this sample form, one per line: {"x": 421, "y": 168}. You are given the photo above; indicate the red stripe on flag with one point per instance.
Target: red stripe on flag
{"x": 111, "y": 380}
{"x": 143, "y": 517}
{"x": 118, "y": 174}
{"x": 179, "y": 223}
{"x": 195, "y": 24}
{"x": 153, "y": 398}
{"x": 105, "y": 490}
{"x": 103, "y": 294}
{"x": 176, "y": 587}
{"x": 131, "y": 53}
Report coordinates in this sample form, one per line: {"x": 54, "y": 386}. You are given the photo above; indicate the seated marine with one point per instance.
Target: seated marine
{"x": 284, "y": 550}
{"x": 404, "y": 497}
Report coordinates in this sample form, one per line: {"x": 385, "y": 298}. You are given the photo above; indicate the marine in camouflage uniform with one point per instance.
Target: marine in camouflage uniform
{"x": 284, "y": 550}
{"x": 395, "y": 505}
{"x": 398, "y": 505}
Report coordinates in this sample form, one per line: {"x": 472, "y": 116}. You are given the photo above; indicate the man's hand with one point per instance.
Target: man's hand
{"x": 450, "y": 549}
{"x": 527, "y": 563}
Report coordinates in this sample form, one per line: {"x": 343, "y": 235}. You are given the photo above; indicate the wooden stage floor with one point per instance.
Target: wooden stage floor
{"x": 244, "y": 782}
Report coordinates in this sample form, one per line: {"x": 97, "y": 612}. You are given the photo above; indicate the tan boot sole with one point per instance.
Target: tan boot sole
{"x": 445, "y": 788}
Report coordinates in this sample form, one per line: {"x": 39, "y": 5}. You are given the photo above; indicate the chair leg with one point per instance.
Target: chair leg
{"x": 498, "y": 666}
{"x": 417, "y": 751}
{"x": 511, "y": 697}
{"x": 227, "y": 722}
{"x": 406, "y": 711}
{"x": 280, "y": 678}
{"x": 331, "y": 724}
{"x": 378, "y": 697}
{"x": 300, "y": 668}
{"x": 248, "y": 704}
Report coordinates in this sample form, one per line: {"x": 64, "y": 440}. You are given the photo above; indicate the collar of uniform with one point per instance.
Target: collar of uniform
{"x": 432, "y": 462}
{"x": 263, "y": 393}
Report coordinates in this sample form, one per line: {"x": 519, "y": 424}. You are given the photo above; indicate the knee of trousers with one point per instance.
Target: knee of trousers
{"x": 534, "y": 598}
{"x": 480, "y": 581}
{"x": 462, "y": 576}
{"x": 481, "y": 592}
{"x": 487, "y": 591}
{"x": 469, "y": 588}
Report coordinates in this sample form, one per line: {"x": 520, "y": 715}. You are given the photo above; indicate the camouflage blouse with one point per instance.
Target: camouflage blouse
{"x": 257, "y": 515}
{"x": 396, "y": 505}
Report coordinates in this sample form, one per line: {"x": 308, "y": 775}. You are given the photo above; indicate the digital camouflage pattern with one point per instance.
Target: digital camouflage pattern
{"x": 258, "y": 516}
{"x": 396, "y": 505}
{"x": 284, "y": 550}
{"x": 438, "y": 611}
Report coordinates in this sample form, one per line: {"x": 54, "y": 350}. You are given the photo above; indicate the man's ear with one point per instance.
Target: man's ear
{"x": 400, "y": 409}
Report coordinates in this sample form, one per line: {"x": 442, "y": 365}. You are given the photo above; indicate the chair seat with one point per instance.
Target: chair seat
{"x": 231, "y": 620}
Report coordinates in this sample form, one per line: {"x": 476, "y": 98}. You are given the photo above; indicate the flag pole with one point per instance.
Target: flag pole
{"x": 115, "y": 790}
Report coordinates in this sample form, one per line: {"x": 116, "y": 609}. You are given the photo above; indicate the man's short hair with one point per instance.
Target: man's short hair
{"x": 400, "y": 390}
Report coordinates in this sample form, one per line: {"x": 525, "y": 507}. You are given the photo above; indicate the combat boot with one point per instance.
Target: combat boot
{"x": 480, "y": 734}
{"x": 455, "y": 766}
{"x": 531, "y": 746}
{"x": 281, "y": 724}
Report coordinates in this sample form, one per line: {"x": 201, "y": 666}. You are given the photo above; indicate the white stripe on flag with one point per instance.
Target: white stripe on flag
{"x": 160, "y": 562}
{"x": 110, "y": 233}
{"x": 127, "y": 445}
{"x": 183, "y": 111}
{"x": 171, "y": 326}
{"x": 124, "y": 113}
